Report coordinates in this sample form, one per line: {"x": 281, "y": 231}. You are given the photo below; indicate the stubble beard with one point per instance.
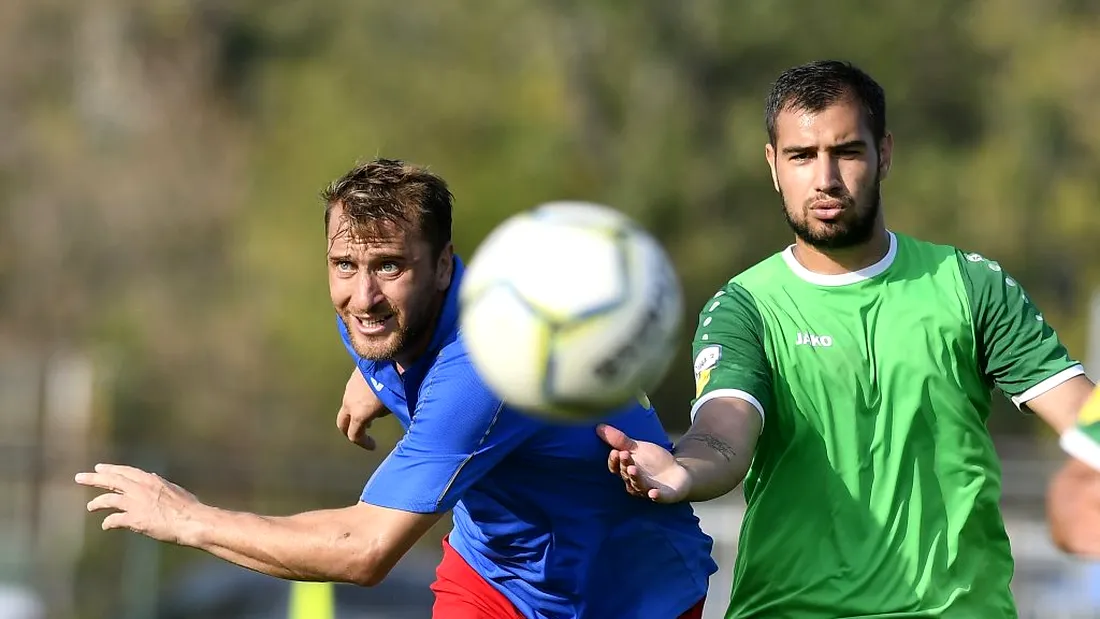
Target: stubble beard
{"x": 409, "y": 330}
{"x": 857, "y": 230}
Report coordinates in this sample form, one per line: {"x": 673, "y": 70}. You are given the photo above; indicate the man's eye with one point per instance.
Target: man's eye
{"x": 389, "y": 267}
{"x": 345, "y": 266}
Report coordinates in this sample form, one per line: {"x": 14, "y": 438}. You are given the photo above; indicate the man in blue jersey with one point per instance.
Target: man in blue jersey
{"x": 540, "y": 529}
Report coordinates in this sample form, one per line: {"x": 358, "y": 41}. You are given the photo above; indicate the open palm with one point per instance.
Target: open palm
{"x": 647, "y": 469}
{"x": 142, "y": 502}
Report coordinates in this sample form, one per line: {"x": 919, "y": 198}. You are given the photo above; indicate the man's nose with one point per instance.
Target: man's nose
{"x": 827, "y": 174}
{"x": 367, "y": 291}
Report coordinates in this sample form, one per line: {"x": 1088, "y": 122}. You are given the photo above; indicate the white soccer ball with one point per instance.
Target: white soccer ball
{"x": 570, "y": 310}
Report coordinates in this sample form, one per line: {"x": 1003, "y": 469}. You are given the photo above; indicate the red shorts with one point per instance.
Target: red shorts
{"x": 461, "y": 593}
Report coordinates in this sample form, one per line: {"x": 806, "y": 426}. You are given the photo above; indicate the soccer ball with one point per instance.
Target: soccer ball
{"x": 570, "y": 310}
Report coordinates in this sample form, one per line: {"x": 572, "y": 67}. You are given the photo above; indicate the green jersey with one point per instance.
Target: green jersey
{"x": 875, "y": 485}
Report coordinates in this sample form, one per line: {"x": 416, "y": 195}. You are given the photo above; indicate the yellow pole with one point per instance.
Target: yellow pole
{"x": 312, "y": 600}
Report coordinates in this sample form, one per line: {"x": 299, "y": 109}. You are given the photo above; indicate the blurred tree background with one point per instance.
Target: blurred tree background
{"x": 160, "y": 164}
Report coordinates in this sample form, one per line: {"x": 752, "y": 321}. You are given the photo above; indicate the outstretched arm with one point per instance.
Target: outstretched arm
{"x": 732, "y": 392}
{"x": 1059, "y": 406}
{"x": 718, "y": 448}
{"x": 357, "y": 544}
{"x": 710, "y": 460}
{"x": 1073, "y": 498}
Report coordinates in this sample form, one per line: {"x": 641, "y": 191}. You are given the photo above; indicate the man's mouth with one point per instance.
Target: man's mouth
{"x": 827, "y": 209}
{"x": 371, "y": 325}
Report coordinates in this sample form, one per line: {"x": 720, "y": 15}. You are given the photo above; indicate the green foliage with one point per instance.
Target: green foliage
{"x": 658, "y": 111}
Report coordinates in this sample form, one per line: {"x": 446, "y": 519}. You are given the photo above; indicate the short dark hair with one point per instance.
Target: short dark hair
{"x": 392, "y": 191}
{"x": 814, "y": 86}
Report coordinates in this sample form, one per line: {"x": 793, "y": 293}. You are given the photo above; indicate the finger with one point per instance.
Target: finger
{"x": 655, "y": 495}
{"x": 127, "y": 472}
{"x": 117, "y": 520}
{"x": 357, "y": 429}
{"x": 625, "y": 461}
{"x": 615, "y": 437}
{"x": 613, "y": 462}
{"x": 641, "y": 493}
{"x": 343, "y": 420}
{"x": 109, "y": 500}
{"x": 635, "y": 480}
{"x": 365, "y": 441}
{"x": 632, "y": 474}
{"x": 106, "y": 481}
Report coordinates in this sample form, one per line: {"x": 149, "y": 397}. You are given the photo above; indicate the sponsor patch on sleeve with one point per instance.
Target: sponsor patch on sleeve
{"x": 707, "y": 359}
{"x": 704, "y": 363}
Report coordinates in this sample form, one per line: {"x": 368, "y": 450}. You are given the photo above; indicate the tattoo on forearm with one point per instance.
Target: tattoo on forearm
{"x": 714, "y": 443}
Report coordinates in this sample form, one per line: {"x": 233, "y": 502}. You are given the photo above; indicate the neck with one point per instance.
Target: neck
{"x": 846, "y": 260}
{"x": 403, "y": 360}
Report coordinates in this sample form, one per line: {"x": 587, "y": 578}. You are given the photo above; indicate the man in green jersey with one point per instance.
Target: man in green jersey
{"x": 847, "y": 380}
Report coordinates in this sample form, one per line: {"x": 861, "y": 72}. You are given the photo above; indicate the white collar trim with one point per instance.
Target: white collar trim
{"x": 842, "y": 279}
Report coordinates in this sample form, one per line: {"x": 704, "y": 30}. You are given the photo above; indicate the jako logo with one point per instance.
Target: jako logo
{"x": 809, "y": 339}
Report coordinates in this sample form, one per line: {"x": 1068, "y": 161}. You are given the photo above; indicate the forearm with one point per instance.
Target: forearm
{"x": 715, "y": 466}
{"x": 308, "y": 546}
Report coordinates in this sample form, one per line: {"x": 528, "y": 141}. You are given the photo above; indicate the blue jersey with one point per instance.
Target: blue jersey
{"x": 536, "y": 512}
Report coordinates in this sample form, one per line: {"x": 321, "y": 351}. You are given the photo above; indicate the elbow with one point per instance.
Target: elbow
{"x": 368, "y": 578}
{"x": 365, "y": 577}
{"x": 369, "y": 570}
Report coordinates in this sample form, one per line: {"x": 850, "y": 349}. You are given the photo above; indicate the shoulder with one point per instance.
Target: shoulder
{"x": 949, "y": 264}
{"x": 746, "y": 292}
{"x": 759, "y": 276}
{"x": 980, "y": 273}
{"x": 920, "y": 249}
{"x": 975, "y": 263}
{"x": 983, "y": 282}
{"x": 452, "y": 363}
{"x": 455, "y": 397}
{"x": 740, "y": 290}
{"x": 920, "y": 252}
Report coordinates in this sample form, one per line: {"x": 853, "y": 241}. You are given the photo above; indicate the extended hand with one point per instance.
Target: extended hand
{"x": 648, "y": 470}
{"x": 358, "y": 409}
{"x": 1073, "y": 509}
{"x": 143, "y": 502}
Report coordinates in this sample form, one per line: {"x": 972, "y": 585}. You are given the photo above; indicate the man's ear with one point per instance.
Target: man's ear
{"x": 444, "y": 267}
{"x": 885, "y": 155}
{"x": 769, "y": 154}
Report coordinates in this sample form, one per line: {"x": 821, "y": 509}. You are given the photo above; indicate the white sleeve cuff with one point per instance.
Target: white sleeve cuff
{"x": 728, "y": 393}
{"x": 1047, "y": 385}
{"x": 1075, "y": 443}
